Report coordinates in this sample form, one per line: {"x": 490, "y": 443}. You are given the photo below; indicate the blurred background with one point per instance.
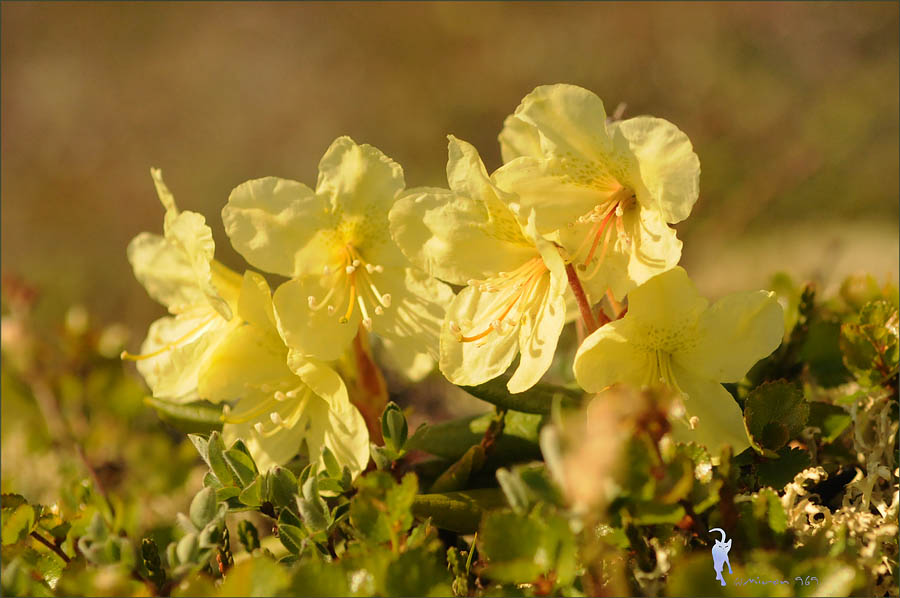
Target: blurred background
{"x": 792, "y": 108}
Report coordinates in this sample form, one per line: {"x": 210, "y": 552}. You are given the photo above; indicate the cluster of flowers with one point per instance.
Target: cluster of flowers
{"x": 576, "y": 219}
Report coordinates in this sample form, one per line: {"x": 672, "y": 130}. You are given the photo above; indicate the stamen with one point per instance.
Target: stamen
{"x": 326, "y": 270}
{"x": 346, "y": 317}
{"x": 280, "y": 396}
{"x": 276, "y": 418}
{"x": 386, "y": 300}
{"x": 350, "y": 269}
{"x": 693, "y": 421}
{"x": 316, "y": 306}
{"x": 378, "y": 310}
{"x": 168, "y": 346}
{"x": 367, "y": 324}
{"x": 258, "y": 427}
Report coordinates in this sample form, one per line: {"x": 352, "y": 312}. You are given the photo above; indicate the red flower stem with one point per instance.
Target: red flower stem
{"x": 587, "y": 315}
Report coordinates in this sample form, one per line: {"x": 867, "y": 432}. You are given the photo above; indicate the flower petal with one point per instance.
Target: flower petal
{"x": 666, "y": 302}
{"x": 471, "y": 363}
{"x": 255, "y": 303}
{"x": 361, "y": 184}
{"x": 276, "y": 446}
{"x": 313, "y": 332}
{"x": 518, "y": 138}
{"x": 247, "y": 358}
{"x": 451, "y": 236}
{"x": 719, "y": 418}
{"x": 654, "y": 247}
{"x": 569, "y": 119}
{"x": 320, "y": 377}
{"x": 184, "y": 344}
{"x": 418, "y": 305}
{"x": 538, "y": 338}
{"x": 607, "y": 356}
{"x": 281, "y": 226}
{"x": 666, "y": 164}
{"x": 735, "y": 333}
{"x": 342, "y": 429}
{"x": 558, "y": 189}
{"x": 405, "y": 355}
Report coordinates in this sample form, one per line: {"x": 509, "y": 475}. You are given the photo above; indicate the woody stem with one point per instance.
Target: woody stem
{"x": 584, "y": 306}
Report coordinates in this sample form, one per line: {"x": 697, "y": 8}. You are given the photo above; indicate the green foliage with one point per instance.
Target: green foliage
{"x": 809, "y": 507}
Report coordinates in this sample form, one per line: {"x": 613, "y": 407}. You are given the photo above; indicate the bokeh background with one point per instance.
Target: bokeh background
{"x": 792, "y": 108}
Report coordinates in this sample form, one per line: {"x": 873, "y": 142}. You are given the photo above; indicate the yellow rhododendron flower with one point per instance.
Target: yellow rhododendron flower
{"x": 283, "y": 398}
{"x": 515, "y": 281}
{"x": 604, "y": 191}
{"x": 672, "y": 336}
{"x": 334, "y": 245}
{"x": 179, "y": 271}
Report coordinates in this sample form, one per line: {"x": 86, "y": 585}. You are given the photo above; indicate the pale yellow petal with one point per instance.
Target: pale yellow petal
{"x": 558, "y": 189}
{"x": 255, "y": 303}
{"x": 666, "y": 164}
{"x": 165, "y": 196}
{"x": 342, "y": 429}
{"x": 666, "y": 303}
{"x": 451, "y": 237}
{"x": 281, "y": 226}
{"x": 418, "y": 305}
{"x": 608, "y": 357}
{"x": 320, "y": 377}
{"x": 164, "y": 271}
{"x": 247, "y": 358}
{"x": 538, "y": 337}
{"x": 405, "y": 356}
{"x": 471, "y": 363}
{"x": 570, "y": 120}
{"x": 719, "y": 418}
{"x": 735, "y": 333}
{"x": 309, "y": 331}
{"x": 654, "y": 247}
{"x": 276, "y": 445}
{"x": 518, "y": 138}
{"x": 180, "y": 347}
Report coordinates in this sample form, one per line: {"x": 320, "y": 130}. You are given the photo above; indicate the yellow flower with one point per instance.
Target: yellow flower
{"x": 179, "y": 271}
{"x": 513, "y": 302}
{"x": 672, "y": 336}
{"x": 283, "y": 398}
{"x": 604, "y": 191}
{"x": 334, "y": 245}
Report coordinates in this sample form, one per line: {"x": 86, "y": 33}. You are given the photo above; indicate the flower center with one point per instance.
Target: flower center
{"x": 515, "y": 291}
{"x": 600, "y": 226}
{"x": 352, "y": 277}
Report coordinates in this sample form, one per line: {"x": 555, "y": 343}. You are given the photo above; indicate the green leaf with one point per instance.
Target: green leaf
{"x": 394, "y": 427}
{"x": 241, "y": 464}
{"x": 381, "y": 508}
{"x": 537, "y": 399}
{"x": 332, "y": 467}
{"x": 831, "y": 419}
{"x": 417, "y": 572}
{"x": 216, "y": 454}
{"x": 871, "y": 343}
{"x": 200, "y": 416}
{"x": 520, "y": 549}
{"x": 248, "y": 535}
{"x": 292, "y": 537}
{"x": 19, "y": 522}
{"x": 252, "y": 494}
{"x": 774, "y": 413}
{"x": 460, "y": 512}
{"x": 203, "y": 507}
{"x": 655, "y": 513}
{"x": 821, "y": 351}
{"x": 257, "y": 576}
{"x": 457, "y": 475}
{"x": 282, "y": 486}
{"x": 777, "y": 473}
{"x": 451, "y": 440}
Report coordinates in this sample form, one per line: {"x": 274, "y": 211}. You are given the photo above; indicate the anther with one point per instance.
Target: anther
{"x": 693, "y": 422}
{"x": 386, "y": 299}
{"x": 367, "y": 324}
{"x": 330, "y": 310}
{"x": 350, "y": 269}
{"x": 378, "y": 310}
{"x": 291, "y": 393}
{"x": 311, "y": 301}
{"x": 280, "y": 396}
{"x": 276, "y": 418}
{"x": 258, "y": 427}
{"x": 356, "y": 263}
{"x": 326, "y": 270}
